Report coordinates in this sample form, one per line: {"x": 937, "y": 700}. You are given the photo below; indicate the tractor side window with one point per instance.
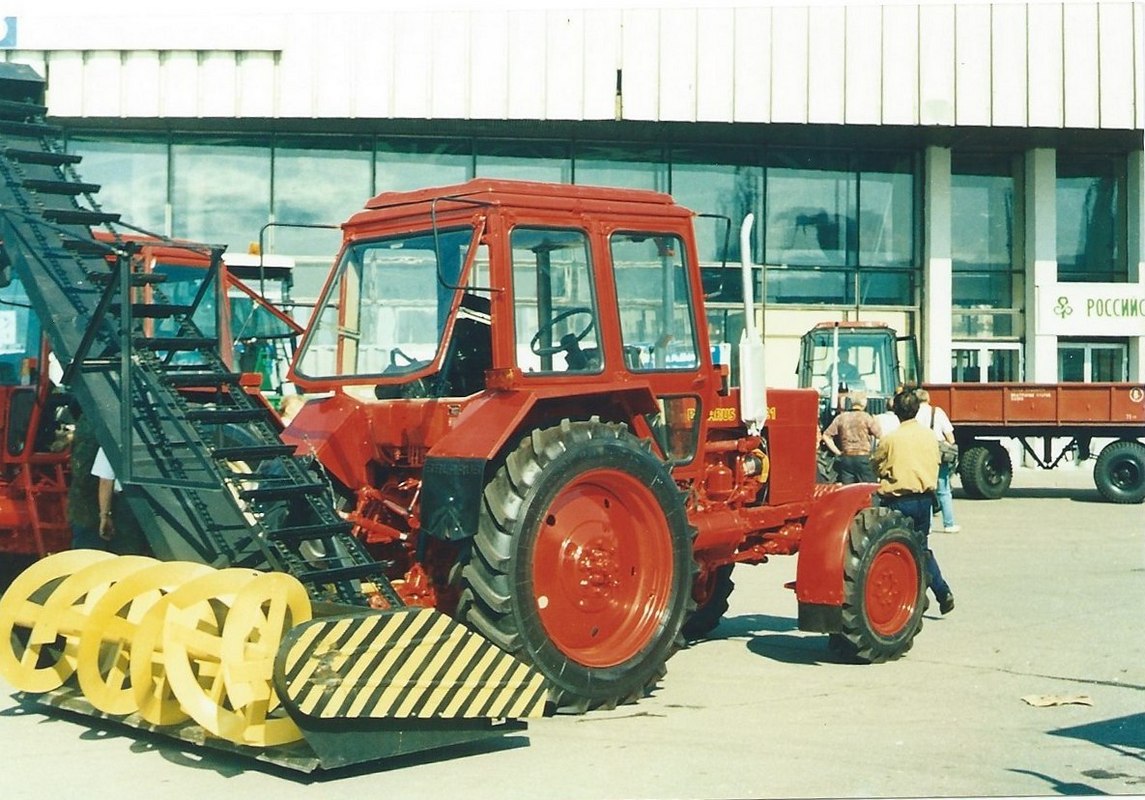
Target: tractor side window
{"x": 655, "y": 302}
{"x": 676, "y": 426}
{"x": 554, "y": 302}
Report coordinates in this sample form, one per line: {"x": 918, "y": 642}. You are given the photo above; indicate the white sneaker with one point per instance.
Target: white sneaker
{"x": 952, "y": 529}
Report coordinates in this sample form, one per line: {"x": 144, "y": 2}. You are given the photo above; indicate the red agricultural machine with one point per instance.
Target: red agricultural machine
{"x": 520, "y": 476}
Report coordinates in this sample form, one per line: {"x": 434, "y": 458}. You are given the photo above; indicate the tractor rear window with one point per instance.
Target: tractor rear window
{"x": 655, "y": 302}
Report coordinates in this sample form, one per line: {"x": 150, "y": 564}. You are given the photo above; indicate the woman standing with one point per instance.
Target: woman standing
{"x": 936, "y": 419}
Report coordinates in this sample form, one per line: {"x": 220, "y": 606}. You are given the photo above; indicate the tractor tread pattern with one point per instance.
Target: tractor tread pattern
{"x": 487, "y": 600}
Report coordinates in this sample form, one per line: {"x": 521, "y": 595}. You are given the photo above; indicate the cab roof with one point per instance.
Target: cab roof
{"x": 536, "y": 195}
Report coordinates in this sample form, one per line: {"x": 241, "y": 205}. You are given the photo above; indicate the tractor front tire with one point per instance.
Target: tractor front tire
{"x": 582, "y": 563}
{"x": 712, "y": 606}
{"x": 985, "y": 471}
{"x": 884, "y": 587}
{"x": 1120, "y": 472}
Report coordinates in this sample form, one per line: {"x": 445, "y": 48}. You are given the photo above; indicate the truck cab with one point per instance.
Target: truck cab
{"x": 840, "y": 358}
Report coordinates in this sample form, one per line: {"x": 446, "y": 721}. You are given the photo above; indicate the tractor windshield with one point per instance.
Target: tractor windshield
{"x": 385, "y": 312}
{"x": 864, "y": 362}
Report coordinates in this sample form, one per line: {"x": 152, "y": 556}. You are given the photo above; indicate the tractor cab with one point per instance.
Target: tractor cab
{"x": 484, "y": 291}
{"x": 34, "y": 416}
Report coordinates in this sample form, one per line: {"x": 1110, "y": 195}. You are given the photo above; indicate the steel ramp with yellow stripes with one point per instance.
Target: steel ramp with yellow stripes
{"x": 370, "y": 685}
{"x": 405, "y": 663}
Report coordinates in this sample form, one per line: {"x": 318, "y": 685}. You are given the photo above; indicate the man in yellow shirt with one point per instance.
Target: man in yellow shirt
{"x": 906, "y": 461}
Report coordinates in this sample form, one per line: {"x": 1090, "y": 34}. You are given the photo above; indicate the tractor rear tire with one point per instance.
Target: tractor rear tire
{"x": 985, "y": 471}
{"x": 884, "y": 587}
{"x": 712, "y": 607}
{"x": 582, "y": 563}
{"x": 1120, "y": 472}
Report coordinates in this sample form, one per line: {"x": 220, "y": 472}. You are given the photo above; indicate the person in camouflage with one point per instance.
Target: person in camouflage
{"x": 851, "y": 437}
{"x": 83, "y": 492}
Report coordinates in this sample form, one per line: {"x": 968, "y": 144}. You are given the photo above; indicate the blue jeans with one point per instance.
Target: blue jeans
{"x": 945, "y": 498}
{"x": 918, "y": 508}
{"x": 855, "y": 469}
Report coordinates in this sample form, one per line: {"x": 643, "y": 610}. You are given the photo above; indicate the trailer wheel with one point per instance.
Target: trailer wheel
{"x": 884, "y": 587}
{"x": 985, "y": 471}
{"x": 582, "y": 564}
{"x": 712, "y": 605}
{"x": 1120, "y": 472}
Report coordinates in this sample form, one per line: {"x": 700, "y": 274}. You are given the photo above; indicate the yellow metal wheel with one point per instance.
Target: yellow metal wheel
{"x": 191, "y": 619}
{"x": 34, "y": 655}
{"x": 247, "y": 710}
{"x": 103, "y": 665}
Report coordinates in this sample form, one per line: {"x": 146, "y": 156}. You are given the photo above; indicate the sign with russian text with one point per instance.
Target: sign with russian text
{"x": 1091, "y": 309}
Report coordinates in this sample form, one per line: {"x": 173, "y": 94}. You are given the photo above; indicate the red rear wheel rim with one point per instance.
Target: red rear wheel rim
{"x": 891, "y": 592}
{"x": 602, "y": 568}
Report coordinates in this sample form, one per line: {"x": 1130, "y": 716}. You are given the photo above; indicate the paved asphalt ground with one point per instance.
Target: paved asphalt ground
{"x": 1050, "y": 590}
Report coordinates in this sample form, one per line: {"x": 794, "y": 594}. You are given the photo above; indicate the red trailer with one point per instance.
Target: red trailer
{"x": 1060, "y": 418}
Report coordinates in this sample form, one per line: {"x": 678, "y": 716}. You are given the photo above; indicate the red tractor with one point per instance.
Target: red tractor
{"x": 515, "y": 415}
{"x": 513, "y": 390}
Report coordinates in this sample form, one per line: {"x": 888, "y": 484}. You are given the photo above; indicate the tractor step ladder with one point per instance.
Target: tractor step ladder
{"x": 130, "y": 355}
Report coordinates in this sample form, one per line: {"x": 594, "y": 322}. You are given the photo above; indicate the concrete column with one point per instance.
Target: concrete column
{"x": 1041, "y": 258}
{"x": 1135, "y": 249}
{"x": 937, "y": 279}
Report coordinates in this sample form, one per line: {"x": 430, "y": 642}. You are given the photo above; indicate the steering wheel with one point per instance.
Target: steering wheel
{"x": 563, "y": 346}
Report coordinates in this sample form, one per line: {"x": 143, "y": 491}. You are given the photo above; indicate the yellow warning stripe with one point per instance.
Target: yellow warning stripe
{"x": 406, "y": 663}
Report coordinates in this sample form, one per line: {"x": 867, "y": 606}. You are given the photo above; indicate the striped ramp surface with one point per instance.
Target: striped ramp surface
{"x": 402, "y": 663}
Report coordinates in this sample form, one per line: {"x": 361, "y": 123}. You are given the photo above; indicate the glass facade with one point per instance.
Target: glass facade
{"x": 836, "y": 228}
{"x": 220, "y": 191}
{"x": 1091, "y": 218}
{"x": 840, "y": 228}
{"x": 1092, "y": 362}
{"x": 986, "y": 279}
{"x": 133, "y": 177}
{"x": 317, "y": 181}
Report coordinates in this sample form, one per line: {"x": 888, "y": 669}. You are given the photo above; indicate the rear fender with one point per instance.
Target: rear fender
{"x": 455, "y": 470}
{"x": 823, "y": 545}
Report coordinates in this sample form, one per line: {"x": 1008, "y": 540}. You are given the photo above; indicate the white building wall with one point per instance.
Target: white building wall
{"x": 1075, "y": 64}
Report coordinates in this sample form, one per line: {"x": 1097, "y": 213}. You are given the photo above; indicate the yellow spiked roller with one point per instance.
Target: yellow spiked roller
{"x": 244, "y": 709}
{"x": 195, "y": 614}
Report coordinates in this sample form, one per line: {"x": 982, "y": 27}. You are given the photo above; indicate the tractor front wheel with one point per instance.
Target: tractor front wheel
{"x": 712, "y": 603}
{"x": 582, "y": 564}
{"x": 884, "y": 586}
